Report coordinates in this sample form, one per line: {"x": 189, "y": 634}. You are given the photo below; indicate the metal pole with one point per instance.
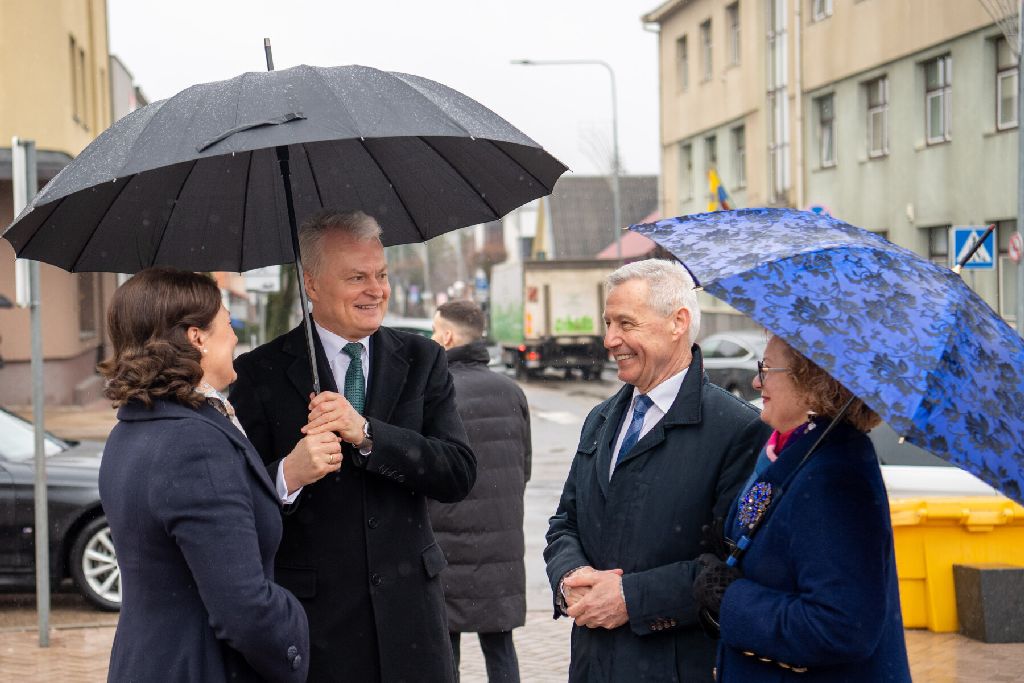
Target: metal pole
{"x": 1020, "y": 166}
{"x": 616, "y": 196}
{"x": 25, "y": 182}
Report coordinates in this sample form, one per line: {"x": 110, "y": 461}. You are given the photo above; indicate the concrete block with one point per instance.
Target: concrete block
{"x": 990, "y": 601}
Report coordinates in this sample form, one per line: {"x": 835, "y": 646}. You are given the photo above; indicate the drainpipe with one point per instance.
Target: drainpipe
{"x": 798, "y": 124}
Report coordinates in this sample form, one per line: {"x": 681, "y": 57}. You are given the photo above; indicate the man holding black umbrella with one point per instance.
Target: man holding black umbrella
{"x": 358, "y": 549}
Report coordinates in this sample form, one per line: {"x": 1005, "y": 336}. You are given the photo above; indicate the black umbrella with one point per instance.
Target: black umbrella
{"x": 195, "y": 182}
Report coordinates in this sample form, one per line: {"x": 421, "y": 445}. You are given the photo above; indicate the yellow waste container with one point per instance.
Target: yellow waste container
{"x": 933, "y": 534}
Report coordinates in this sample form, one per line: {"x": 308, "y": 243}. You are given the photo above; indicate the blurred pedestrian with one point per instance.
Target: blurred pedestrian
{"x": 656, "y": 462}
{"x": 815, "y": 595}
{"x": 194, "y": 516}
{"x": 358, "y": 550}
{"x": 482, "y": 536}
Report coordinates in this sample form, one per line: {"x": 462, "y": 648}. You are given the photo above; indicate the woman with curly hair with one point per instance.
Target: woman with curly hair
{"x": 805, "y": 589}
{"x": 194, "y": 516}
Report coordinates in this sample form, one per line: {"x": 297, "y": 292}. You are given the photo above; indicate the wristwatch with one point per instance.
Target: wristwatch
{"x": 367, "y": 446}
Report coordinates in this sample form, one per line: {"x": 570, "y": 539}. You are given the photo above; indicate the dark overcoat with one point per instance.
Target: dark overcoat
{"x": 196, "y": 522}
{"x": 358, "y": 550}
{"x": 482, "y": 536}
{"x": 647, "y": 521}
{"x": 820, "y": 590}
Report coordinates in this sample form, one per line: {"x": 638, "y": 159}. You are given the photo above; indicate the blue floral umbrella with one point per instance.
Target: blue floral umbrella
{"x": 906, "y": 335}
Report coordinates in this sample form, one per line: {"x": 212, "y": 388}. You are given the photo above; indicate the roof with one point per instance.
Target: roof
{"x": 659, "y": 13}
{"x": 582, "y": 217}
{"x": 634, "y": 245}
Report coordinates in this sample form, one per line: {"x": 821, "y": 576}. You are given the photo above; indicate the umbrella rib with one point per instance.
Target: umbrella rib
{"x": 538, "y": 181}
{"x": 398, "y": 196}
{"x": 96, "y": 227}
{"x": 461, "y": 175}
{"x": 245, "y": 204}
{"x": 174, "y": 205}
{"x": 31, "y": 237}
{"x": 312, "y": 174}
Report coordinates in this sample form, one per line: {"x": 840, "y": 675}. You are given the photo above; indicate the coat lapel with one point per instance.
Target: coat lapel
{"x": 388, "y": 372}
{"x": 613, "y": 414}
{"x": 298, "y": 371}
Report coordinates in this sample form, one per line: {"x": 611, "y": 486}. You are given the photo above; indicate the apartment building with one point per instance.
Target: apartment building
{"x": 54, "y": 89}
{"x": 899, "y": 116}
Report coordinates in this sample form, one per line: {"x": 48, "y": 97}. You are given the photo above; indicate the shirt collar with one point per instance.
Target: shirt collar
{"x": 333, "y": 344}
{"x": 664, "y": 395}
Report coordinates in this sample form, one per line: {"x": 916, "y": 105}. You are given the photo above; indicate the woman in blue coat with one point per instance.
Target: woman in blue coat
{"x": 194, "y": 517}
{"x": 814, "y": 596}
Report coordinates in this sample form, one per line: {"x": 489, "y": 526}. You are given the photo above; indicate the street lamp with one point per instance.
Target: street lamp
{"x": 616, "y": 200}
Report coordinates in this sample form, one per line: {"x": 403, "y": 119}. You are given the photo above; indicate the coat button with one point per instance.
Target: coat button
{"x": 372, "y": 522}
{"x": 376, "y": 579}
{"x": 296, "y": 662}
{"x": 292, "y": 651}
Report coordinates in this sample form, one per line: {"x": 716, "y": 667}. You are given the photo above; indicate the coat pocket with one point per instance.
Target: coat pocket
{"x": 433, "y": 560}
{"x": 301, "y": 581}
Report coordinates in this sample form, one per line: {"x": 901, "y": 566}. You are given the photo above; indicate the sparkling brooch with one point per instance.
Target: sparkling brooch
{"x": 754, "y": 504}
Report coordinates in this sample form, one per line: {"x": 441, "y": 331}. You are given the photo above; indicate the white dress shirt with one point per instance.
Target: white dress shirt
{"x": 662, "y": 397}
{"x": 334, "y": 350}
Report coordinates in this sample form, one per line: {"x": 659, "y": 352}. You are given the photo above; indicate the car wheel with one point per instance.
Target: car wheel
{"x": 735, "y": 391}
{"x": 94, "y": 566}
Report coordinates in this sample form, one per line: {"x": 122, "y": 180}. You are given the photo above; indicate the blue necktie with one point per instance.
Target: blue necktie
{"x": 636, "y": 424}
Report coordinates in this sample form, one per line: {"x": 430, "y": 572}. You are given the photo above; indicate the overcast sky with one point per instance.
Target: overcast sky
{"x": 466, "y": 44}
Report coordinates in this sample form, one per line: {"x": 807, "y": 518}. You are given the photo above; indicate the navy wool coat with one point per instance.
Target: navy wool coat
{"x": 647, "y": 521}
{"x": 819, "y": 588}
{"x": 196, "y": 522}
{"x": 358, "y": 550}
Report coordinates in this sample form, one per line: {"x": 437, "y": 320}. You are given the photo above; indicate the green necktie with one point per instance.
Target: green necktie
{"x": 355, "y": 383}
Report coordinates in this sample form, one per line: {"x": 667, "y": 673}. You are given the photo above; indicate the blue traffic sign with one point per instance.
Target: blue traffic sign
{"x": 964, "y": 239}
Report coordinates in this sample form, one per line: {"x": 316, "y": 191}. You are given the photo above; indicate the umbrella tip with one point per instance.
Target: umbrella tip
{"x": 266, "y": 42}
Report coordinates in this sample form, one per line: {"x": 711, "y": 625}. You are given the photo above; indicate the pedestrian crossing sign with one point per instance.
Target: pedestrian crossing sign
{"x": 964, "y": 239}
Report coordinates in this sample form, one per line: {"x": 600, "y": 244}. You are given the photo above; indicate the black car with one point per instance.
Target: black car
{"x": 80, "y": 544}
{"x": 730, "y": 359}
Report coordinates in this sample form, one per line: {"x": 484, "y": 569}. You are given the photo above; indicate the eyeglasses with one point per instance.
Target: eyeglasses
{"x": 762, "y": 370}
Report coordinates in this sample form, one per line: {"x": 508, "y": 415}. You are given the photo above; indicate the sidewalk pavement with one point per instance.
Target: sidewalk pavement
{"x": 80, "y": 647}
{"x": 81, "y": 636}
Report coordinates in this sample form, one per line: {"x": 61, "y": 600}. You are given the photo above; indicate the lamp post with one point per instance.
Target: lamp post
{"x": 616, "y": 198}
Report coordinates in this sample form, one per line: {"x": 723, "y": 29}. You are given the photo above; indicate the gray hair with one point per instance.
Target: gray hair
{"x": 354, "y": 224}
{"x": 669, "y": 288}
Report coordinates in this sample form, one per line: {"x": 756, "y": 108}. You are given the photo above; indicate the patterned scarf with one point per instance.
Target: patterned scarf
{"x": 221, "y": 403}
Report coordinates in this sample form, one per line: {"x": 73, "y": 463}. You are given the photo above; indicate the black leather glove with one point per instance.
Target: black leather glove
{"x": 714, "y": 577}
{"x": 713, "y": 540}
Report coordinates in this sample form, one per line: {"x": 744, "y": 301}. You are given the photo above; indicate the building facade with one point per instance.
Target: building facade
{"x": 899, "y": 116}
{"x": 54, "y": 89}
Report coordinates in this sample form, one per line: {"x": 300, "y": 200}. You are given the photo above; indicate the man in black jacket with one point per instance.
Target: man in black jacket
{"x": 664, "y": 456}
{"x": 357, "y": 548}
{"x": 482, "y": 536}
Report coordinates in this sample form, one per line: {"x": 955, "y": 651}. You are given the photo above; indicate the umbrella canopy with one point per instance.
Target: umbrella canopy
{"x": 905, "y": 335}
{"x": 194, "y": 181}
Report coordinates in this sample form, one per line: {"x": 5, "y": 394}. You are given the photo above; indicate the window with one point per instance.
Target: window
{"x": 732, "y": 21}
{"x": 777, "y": 102}
{"x": 1006, "y": 86}
{"x": 821, "y": 9}
{"x": 1008, "y": 270}
{"x": 685, "y": 172}
{"x": 878, "y": 116}
{"x": 76, "y": 107}
{"x": 86, "y": 305}
{"x": 938, "y": 76}
{"x": 84, "y": 96}
{"x": 711, "y": 152}
{"x": 682, "y": 64}
{"x": 825, "y": 106}
{"x": 705, "y": 46}
{"x": 739, "y": 156}
{"x": 938, "y": 245}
